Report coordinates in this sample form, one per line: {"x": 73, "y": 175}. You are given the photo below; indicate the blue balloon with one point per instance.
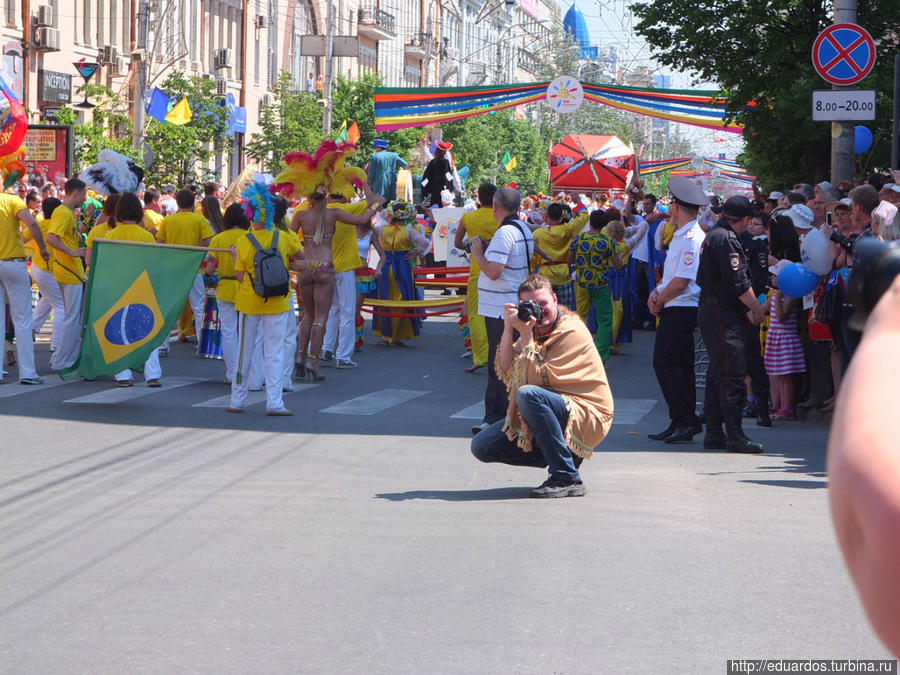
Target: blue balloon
{"x": 862, "y": 140}
{"x": 797, "y": 280}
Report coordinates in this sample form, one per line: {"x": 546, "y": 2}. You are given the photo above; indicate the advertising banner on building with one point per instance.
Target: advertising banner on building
{"x": 48, "y": 154}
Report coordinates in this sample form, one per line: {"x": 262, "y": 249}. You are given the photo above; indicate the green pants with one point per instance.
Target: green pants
{"x": 603, "y": 313}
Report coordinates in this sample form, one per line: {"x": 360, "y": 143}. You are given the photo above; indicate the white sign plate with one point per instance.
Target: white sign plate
{"x": 843, "y": 106}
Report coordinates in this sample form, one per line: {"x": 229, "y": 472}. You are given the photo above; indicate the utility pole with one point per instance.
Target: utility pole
{"x": 329, "y": 69}
{"x": 895, "y": 142}
{"x": 842, "y": 132}
{"x": 140, "y": 66}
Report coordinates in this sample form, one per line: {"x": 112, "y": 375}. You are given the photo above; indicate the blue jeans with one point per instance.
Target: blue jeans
{"x": 545, "y": 413}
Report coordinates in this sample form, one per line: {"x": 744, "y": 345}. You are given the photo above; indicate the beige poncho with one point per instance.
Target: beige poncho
{"x": 568, "y": 363}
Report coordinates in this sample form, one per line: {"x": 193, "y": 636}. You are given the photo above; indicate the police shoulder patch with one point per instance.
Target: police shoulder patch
{"x": 688, "y": 258}
{"x": 734, "y": 260}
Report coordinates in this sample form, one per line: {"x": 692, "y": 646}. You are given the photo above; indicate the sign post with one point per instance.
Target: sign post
{"x": 843, "y": 54}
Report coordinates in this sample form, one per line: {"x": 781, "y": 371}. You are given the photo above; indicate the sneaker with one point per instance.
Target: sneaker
{"x": 340, "y": 363}
{"x": 552, "y": 488}
{"x": 478, "y": 428}
{"x": 154, "y": 382}
{"x": 281, "y": 412}
{"x": 163, "y": 352}
{"x": 124, "y": 383}
{"x": 234, "y": 410}
{"x": 31, "y": 380}
{"x": 327, "y": 359}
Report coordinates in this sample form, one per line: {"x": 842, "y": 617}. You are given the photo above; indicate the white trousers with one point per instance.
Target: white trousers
{"x": 15, "y": 288}
{"x": 257, "y": 375}
{"x": 228, "y": 320}
{"x": 51, "y": 301}
{"x": 68, "y": 344}
{"x": 152, "y": 369}
{"x": 197, "y": 301}
{"x": 341, "y": 325}
{"x": 272, "y": 327}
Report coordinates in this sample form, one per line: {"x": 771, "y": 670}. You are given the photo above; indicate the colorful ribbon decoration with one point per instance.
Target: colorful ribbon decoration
{"x": 405, "y": 107}
{"x": 659, "y": 165}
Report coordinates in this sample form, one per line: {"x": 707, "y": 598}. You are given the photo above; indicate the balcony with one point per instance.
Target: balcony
{"x": 418, "y": 44}
{"x": 376, "y": 24}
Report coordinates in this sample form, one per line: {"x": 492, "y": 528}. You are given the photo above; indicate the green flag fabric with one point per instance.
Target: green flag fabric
{"x": 505, "y": 159}
{"x": 135, "y": 294}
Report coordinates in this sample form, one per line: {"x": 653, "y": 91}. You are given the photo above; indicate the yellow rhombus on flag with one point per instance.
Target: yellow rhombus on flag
{"x": 180, "y": 113}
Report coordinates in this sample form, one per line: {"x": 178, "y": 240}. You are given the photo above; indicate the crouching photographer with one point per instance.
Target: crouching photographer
{"x": 560, "y": 404}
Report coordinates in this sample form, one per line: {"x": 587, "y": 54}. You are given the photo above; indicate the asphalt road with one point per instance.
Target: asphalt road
{"x": 157, "y": 533}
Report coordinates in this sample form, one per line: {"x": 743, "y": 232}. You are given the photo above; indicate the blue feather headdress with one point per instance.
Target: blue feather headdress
{"x": 259, "y": 206}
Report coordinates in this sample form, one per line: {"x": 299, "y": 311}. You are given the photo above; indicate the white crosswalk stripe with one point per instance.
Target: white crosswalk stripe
{"x": 13, "y": 388}
{"x": 375, "y": 402}
{"x": 253, "y": 397}
{"x": 120, "y": 394}
{"x": 473, "y": 412}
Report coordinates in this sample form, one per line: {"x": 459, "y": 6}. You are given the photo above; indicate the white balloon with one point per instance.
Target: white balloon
{"x": 815, "y": 252}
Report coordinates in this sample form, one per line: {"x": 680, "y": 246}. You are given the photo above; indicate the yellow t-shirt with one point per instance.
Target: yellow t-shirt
{"x": 64, "y": 226}
{"x": 555, "y": 241}
{"x": 11, "y": 244}
{"x": 479, "y": 223}
{"x": 228, "y": 285}
{"x": 184, "y": 228}
{"x": 344, "y": 252}
{"x": 247, "y": 301}
{"x": 31, "y": 246}
{"x": 97, "y": 232}
{"x": 152, "y": 219}
{"x": 130, "y": 233}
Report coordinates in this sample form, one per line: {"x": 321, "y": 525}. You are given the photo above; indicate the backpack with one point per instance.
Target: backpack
{"x": 270, "y": 276}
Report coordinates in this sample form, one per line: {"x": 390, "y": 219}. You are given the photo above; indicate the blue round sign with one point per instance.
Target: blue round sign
{"x": 843, "y": 54}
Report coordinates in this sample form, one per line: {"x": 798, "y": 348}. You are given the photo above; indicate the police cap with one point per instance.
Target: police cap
{"x": 687, "y": 193}
{"x": 738, "y": 207}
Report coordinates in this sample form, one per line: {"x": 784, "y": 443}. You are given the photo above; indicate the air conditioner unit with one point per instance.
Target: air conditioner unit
{"x": 223, "y": 58}
{"x": 221, "y": 87}
{"x": 46, "y": 16}
{"x": 268, "y": 98}
{"x": 48, "y": 39}
{"x": 451, "y": 53}
{"x": 109, "y": 55}
{"x": 122, "y": 66}
{"x": 261, "y": 21}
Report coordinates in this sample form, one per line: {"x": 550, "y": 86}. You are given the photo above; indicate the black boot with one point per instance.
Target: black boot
{"x": 762, "y": 412}
{"x": 685, "y": 432}
{"x": 663, "y": 435}
{"x": 737, "y": 441}
{"x": 714, "y": 438}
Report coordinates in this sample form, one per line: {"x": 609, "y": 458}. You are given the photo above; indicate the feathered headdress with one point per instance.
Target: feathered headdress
{"x": 323, "y": 172}
{"x": 113, "y": 173}
{"x": 258, "y": 205}
{"x": 401, "y": 210}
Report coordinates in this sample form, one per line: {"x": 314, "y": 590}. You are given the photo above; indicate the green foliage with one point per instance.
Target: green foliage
{"x": 762, "y": 51}
{"x": 111, "y": 129}
{"x": 293, "y": 123}
{"x": 181, "y": 151}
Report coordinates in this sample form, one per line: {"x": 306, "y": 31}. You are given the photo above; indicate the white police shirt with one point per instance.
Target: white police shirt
{"x": 682, "y": 260}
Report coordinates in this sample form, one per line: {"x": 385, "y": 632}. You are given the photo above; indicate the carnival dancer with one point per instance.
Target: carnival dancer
{"x": 315, "y": 177}
{"x": 621, "y": 286}
{"x": 551, "y": 246}
{"x": 402, "y": 244}
{"x": 381, "y": 169}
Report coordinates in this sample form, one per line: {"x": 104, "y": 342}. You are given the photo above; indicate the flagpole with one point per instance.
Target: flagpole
{"x": 158, "y": 245}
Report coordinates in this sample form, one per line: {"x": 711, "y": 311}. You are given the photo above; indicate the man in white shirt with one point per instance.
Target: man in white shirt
{"x": 504, "y": 265}
{"x": 675, "y": 302}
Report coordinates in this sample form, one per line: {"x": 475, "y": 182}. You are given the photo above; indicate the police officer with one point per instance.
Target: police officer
{"x": 757, "y": 251}
{"x": 726, "y": 300}
{"x": 674, "y": 301}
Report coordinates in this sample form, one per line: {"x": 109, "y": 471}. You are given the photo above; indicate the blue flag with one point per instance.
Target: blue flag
{"x": 159, "y": 105}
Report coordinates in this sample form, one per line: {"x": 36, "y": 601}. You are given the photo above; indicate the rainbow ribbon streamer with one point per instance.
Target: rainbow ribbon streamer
{"x": 659, "y": 165}
{"x": 405, "y": 107}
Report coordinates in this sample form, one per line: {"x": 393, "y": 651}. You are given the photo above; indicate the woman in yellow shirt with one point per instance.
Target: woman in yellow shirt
{"x": 551, "y": 246}
{"x": 127, "y": 218}
{"x": 235, "y": 226}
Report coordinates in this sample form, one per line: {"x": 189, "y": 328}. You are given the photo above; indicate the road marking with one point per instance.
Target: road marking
{"x": 253, "y": 397}
{"x": 473, "y": 412}
{"x": 121, "y": 394}
{"x": 12, "y": 388}
{"x": 632, "y": 410}
{"x": 374, "y": 403}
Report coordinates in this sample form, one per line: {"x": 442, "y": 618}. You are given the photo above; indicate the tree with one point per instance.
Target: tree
{"x": 111, "y": 128}
{"x": 181, "y": 151}
{"x": 760, "y": 52}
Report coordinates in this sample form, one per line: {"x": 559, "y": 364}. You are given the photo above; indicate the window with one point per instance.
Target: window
{"x": 12, "y": 15}
{"x": 88, "y": 33}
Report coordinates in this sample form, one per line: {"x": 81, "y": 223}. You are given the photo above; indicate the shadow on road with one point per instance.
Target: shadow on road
{"x": 494, "y": 494}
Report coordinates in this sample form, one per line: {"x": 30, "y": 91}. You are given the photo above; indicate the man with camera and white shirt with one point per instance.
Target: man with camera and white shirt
{"x": 560, "y": 404}
{"x": 504, "y": 265}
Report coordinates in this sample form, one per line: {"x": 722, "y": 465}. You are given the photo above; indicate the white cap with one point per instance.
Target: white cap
{"x": 775, "y": 195}
{"x": 802, "y": 216}
{"x": 824, "y": 185}
{"x": 892, "y": 186}
{"x": 777, "y": 267}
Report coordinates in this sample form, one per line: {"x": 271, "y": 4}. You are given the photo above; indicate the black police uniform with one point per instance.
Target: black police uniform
{"x": 723, "y": 277}
{"x": 757, "y": 252}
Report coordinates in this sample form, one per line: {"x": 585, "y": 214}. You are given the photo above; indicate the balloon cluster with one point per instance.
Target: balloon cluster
{"x": 799, "y": 279}
{"x": 13, "y": 123}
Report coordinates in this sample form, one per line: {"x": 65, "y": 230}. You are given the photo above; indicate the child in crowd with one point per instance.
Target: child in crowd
{"x": 784, "y": 351}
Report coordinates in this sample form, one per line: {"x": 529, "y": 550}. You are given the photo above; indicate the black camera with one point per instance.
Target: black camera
{"x": 845, "y": 243}
{"x": 528, "y": 309}
{"x": 468, "y": 244}
{"x": 874, "y": 267}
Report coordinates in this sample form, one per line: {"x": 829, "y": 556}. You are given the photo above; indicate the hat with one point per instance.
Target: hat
{"x": 802, "y": 216}
{"x": 824, "y": 185}
{"x": 892, "y": 186}
{"x": 775, "y": 195}
{"x": 379, "y": 143}
{"x": 777, "y": 267}
{"x": 444, "y": 146}
{"x": 847, "y": 201}
{"x": 687, "y": 193}
{"x": 831, "y": 207}
{"x": 738, "y": 207}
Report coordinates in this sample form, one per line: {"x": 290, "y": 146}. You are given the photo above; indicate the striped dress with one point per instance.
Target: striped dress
{"x": 784, "y": 351}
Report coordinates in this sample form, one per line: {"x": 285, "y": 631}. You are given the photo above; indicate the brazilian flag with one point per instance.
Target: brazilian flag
{"x": 134, "y": 296}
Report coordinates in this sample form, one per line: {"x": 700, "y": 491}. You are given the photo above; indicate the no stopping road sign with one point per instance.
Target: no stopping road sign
{"x": 843, "y": 54}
